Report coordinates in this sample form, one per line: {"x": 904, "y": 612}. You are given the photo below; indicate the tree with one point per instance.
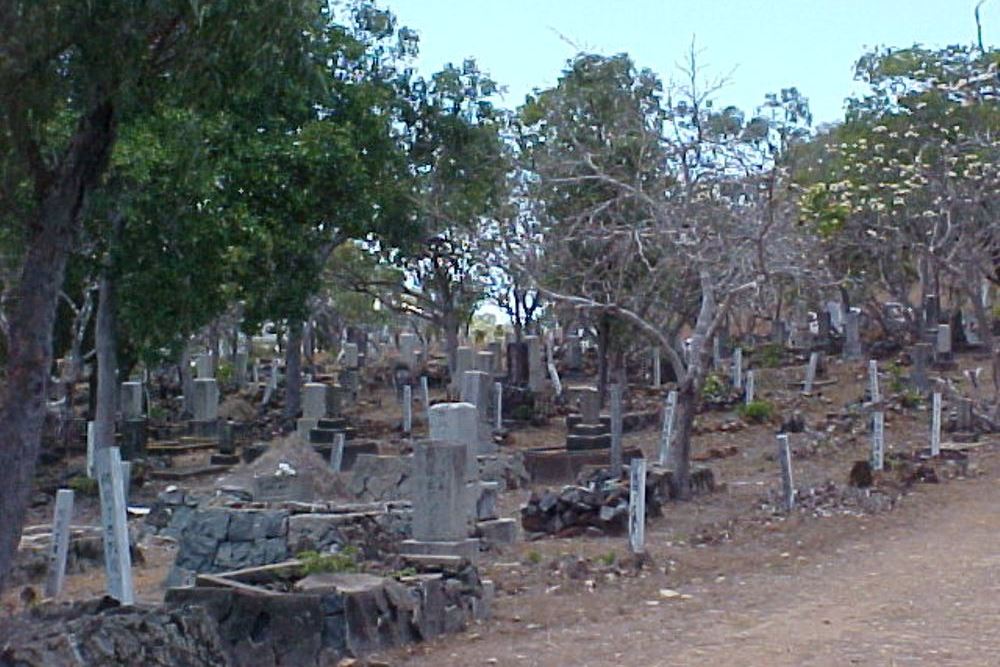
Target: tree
{"x": 63, "y": 95}
{"x": 660, "y": 214}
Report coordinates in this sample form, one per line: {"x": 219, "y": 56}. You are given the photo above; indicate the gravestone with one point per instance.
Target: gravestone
{"x": 131, "y": 400}
{"x": 206, "y": 403}
{"x": 498, "y": 408}
{"x": 536, "y": 369}
{"x": 824, "y": 329}
{"x": 351, "y": 355}
{"x": 240, "y": 360}
{"x": 852, "y": 335}
{"x": 476, "y": 390}
{"x": 943, "y": 357}
{"x": 59, "y": 547}
{"x": 738, "y": 368}
{"x": 657, "y": 368}
{"x": 315, "y": 401}
{"x": 408, "y": 344}
{"x": 407, "y": 410}
{"x": 573, "y": 357}
{"x": 337, "y": 451}
{"x": 484, "y": 363}
{"x": 751, "y": 386}
{"x": 779, "y": 333}
{"x": 425, "y": 393}
{"x": 114, "y": 524}
{"x": 517, "y": 364}
{"x": 589, "y": 432}
{"x": 283, "y": 488}
{"x": 496, "y": 349}
{"x": 922, "y": 353}
{"x": 457, "y": 423}
{"x": 874, "y": 394}
{"x": 464, "y": 360}
{"x": 441, "y": 517}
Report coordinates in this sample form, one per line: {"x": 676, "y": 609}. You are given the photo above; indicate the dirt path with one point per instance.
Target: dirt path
{"x": 920, "y": 587}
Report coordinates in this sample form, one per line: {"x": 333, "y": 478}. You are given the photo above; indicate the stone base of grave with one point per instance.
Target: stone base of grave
{"x": 326, "y": 436}
{"x": 964, "y": 436}
{"x": 204, "y": 429}
{"x": 486, "y": 503}
{"x": 467, "y": 549}
{"x": 497, "y": 531}
{"x": 134, "y": 438}
{"x": 560, "y": 465}
{"x": 224, "y": 459}
{"x": 575, "y": 443}
{"x": 944, "y": 364}
{"x": 279, "y": 488}
{"x": 351, "y": 452}
{"x": 303, "y": 426}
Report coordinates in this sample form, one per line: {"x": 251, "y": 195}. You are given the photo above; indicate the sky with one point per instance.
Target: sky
{"x": 762, "y": 46}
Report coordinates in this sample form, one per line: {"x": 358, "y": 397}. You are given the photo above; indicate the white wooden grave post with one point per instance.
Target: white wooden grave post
{"x": 407, "y": 409}
{"x": 751, "y": 386}
{"x": 337, "y": 452}
{"x": 811, "y": 373}
{"x": 117, "y": 557}
{"x": 657, "y": 368}
{"x": 59, "y": 547}
{"x": 667, "y": 431}
{"x": 873, "y": 381}
{"x": 425, "y": 392}
{"x": 637, "y": 505}
{"x": 878, "y": 440}
{"x": 91, "y": 467}
{"x": 126, "y": 480}
{"x": 787, "y": 484}
{"x": 738, "y": 368}
{"x": 936, "y": 424}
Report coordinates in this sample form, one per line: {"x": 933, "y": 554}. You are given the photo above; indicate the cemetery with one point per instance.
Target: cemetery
{"x": 311, "y": 357}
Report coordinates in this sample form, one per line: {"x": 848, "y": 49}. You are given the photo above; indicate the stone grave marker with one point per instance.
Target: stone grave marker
{"x": 667, "y": 431}
{"x": 498, "y": 394}
{"x": 922, "y": 353}
{"x": 873, "y": 389}
{"x": 536, "y": 369}
{"x": 131, "y": 400}
{"x": 117, "y": 557}
{"x": 337, "y": 451}
{"x": 408, "y": 343}
{"x": 852, "y": 335}
{"x": 426, "y": 394}
{"x": 464, "y": 360}
{"x": 738, "y": 368}
{"x": 807, "y": 386}
{"x": 59, "y": 548}
{"x": 407, "y": 409}
{"x": 751, "y": 386}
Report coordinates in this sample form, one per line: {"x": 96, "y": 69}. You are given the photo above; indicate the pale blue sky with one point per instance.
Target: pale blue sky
{"x": 766, "y": 44}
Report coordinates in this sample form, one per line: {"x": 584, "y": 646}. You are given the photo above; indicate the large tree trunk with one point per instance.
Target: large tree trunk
{"x": 293, "y": 371}
{"x": 105, "y": 341}
{"x": 450, "y": 324}
{"x": 60, "y": 195}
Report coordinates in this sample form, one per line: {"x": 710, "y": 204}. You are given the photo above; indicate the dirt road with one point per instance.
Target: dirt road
{"x": 920, "y": 586}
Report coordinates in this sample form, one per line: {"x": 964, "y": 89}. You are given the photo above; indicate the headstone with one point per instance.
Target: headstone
{"x": 787, "y": 484}
{"x": 936, "y": 424}
{"x": 590, "y": 405}
{"x": 517, "y": 364}
{"x": 878, "y": 440}
{"x": 408, "y": 343}
{"x": 716, "y": 353}
{"x": 932, "y": 313}
{"x": 811, "y": 372}
{"x": 407, "y": 410}
{"x": 836, "y": 313}
{"x": 573, "y": 358}
{"x": 206, "y": 400}
{"x": 117, "y": 557}
{"x": 315, "y": 402}
{"x": 778, "y": 333}
{"x": 667, "y": 432}
{"x": 203, "y": 367}
{"x": 824, "y": 328}
{"x": 616, "y": 431}
{"x": 852, "y": 335}
{"x": 921, "y": 361}
{"x": 457, "y": 423}
{"x": 637, "y": 505}
{"x": 738, "y": 368}
{"x": 496, "y": 349}
{"x": 476, "y": 390}
{"x": 751, "y": 386}
{"x": 337, "y": 451}
{"x": 240, "y": 360}
{"x": 498, "y": 395}
{"x": 350, "y": 355}
{"x": 59, "y": 548}
{"x": 484, "y": 362}
{"x": 464, "y": 360}
{"x": 942, "y": 352}
{"x": 657, "y": 368}
{"x": 440, "y": 499}
{"x": 873, "y": 391}
{"x": 536, "y": 369}
{"x": 131, "y": 400}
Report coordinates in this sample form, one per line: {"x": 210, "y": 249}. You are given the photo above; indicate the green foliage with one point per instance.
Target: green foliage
{"x": 714, "y": 388}
{"x": 534, "y": 557}
{"x": 343, "y": 561}
{"x": 225, "y": 373}
{"x": 758, "y": 411}
{"x": 769, "y": 355}
{"x": 895, "y": 372}
{"x": 522, "y": 413}
{"x": 84, "y": 486}
{"x": 609, "y": 558}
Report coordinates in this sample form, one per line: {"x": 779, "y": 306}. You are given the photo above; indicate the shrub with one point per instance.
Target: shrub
{"x": 343, "y": 561}
{"x": 534, "y": 557}
{"x": 757, "y": 412}
{"x": 225, "y": 373}
{"x": 713, "y": 387}
{"x": 609, "y": 558}
{"x": 768, "y": 356}
{"x": 84, "y": 486}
